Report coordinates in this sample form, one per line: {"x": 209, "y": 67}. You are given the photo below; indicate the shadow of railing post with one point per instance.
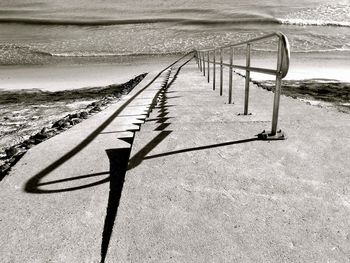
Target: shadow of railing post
{"x": 118, "y": 159}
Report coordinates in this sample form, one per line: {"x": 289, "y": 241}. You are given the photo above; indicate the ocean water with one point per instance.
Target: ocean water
{"x": 50, "y": 31}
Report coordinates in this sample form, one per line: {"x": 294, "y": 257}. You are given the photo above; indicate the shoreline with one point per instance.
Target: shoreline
{"x": 9, "y": 156}
{"x": 77, "y": 74}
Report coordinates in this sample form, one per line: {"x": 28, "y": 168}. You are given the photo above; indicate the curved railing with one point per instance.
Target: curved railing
{"x": 283, "y": 56}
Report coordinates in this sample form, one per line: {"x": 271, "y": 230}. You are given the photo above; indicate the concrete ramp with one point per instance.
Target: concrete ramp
{"x": 196, "y": 185}
{"x": 200, "y": 187}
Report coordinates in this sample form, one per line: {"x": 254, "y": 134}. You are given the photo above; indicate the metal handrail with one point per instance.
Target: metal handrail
{"x": 283, "y": 58}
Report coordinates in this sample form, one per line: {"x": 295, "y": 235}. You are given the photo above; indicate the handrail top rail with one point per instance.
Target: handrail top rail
{"x": 280, "y": 35}
{"x": 283, "y": 65}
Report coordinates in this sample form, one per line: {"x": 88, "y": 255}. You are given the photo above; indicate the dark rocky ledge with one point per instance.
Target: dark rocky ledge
{"x": 112, "y": 93}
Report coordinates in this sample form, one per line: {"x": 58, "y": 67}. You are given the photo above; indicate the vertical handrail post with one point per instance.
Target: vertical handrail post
{"x": 199, "y": 61}
{"x": 221, "y": 72}
{"x": 203, "y": 65}
{"x": 247, "y": 78}
{"x": 208, "y": 67}
{"x": 214, "y": 69}
{"x": 230, "y": 77}
{"x": 276, "y": 99}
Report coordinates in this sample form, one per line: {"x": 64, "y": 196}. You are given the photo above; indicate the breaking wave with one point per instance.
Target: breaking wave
{"x": 302, "y": 22}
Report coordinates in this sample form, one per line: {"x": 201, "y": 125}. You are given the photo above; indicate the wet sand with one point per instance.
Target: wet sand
{"x": 80, "y": 73}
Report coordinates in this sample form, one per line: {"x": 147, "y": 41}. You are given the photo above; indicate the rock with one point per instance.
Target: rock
{"x": 83, "y": 115}
{"x": 92, "y": 104}
{"x": 40, "y": 136}
{"x": 44, "y": 130}
{"x": 95, "y": 109}
{"x": 29, "y": 145}
{"x": 11, "y": 151}
{"x": 58, "y": 124}
{"x": 75, "y": 121}
{"x": 14, "y": 152}
{"x": 29, "y": 141}
{"x": 4, "y": 167}
{"x": 66, "y": 124}
{"x": 37, "y": 140}
{"x": 51, "y": 133}
{"x": 74, "y": 116}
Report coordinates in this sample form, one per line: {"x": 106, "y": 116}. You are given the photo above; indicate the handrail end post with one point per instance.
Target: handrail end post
{"x": 274, "y": 134}
{"x": 276, "y": 105}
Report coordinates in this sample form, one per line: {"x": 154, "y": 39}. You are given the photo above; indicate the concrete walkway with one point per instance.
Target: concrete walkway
{"x": 199, "y": 187}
